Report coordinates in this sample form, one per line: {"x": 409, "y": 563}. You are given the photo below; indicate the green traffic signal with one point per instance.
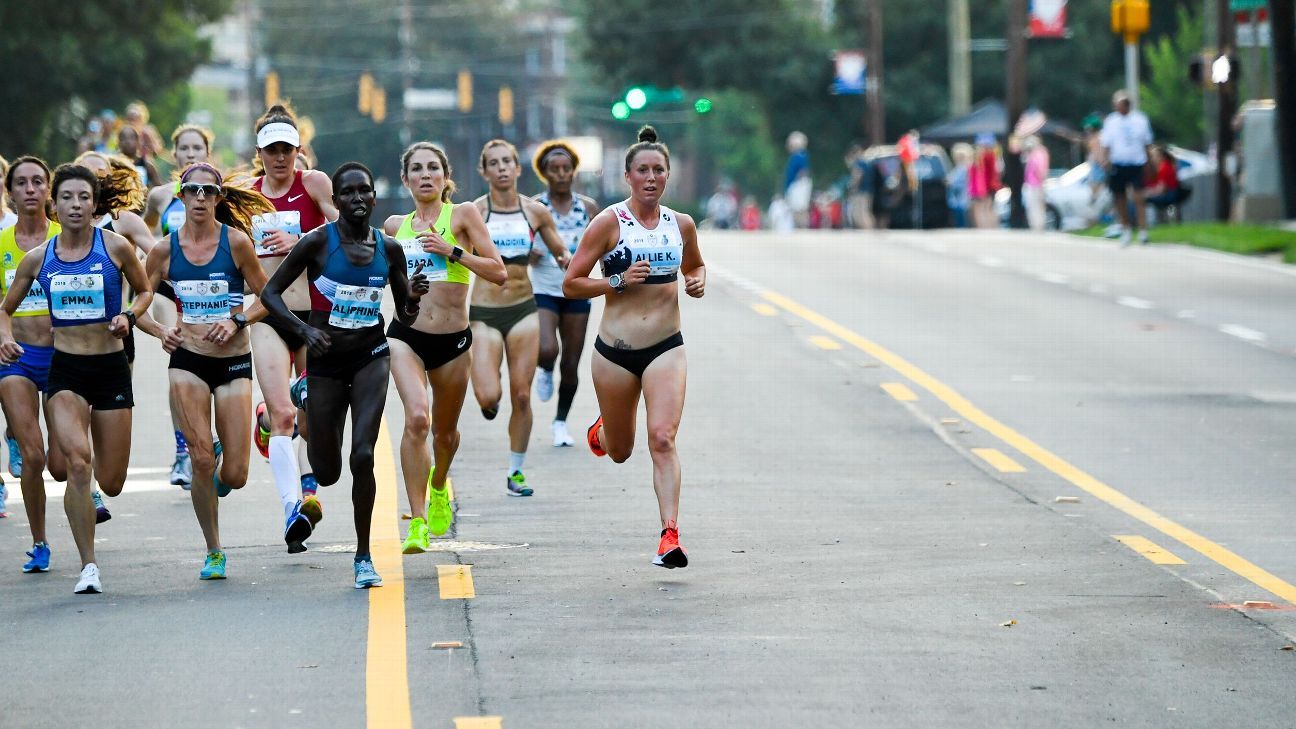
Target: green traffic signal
{"x": 702, "y": 105}
{"x": 636, "y": 98}
{"x": 621, "y": 110}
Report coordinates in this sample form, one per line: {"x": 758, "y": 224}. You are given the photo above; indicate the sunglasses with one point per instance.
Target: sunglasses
{"x": 206, "y": 188}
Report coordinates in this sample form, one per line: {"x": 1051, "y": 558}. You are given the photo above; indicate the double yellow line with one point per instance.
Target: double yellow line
{"x": 1032, "y": 450}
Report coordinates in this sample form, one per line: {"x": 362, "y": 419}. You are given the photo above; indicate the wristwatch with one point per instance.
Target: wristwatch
{"x": 456, "y": 254}
{"x": 616, "y": 282}
{"x": 130, "y": 318}
{"x": 239, "y": 320}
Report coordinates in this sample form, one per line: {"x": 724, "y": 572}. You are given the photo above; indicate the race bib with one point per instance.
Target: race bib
{"x": 662, "y": 255}
{"x": 175, "y": 219}
{"x": 289, "y": 221}
{"x": 435, "y": 267}
{"x": 356, "y": 307}
{"x": 34, "y": 302}
{"x": 77, "y": 297}
{"x": 203, "y": 302}
{"x": 512, "y": 237}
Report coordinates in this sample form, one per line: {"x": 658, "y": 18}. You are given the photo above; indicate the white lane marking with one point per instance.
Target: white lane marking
{"x": 132, "y": 487}
{"x": 990, "y": 261}
{"x": 1134, "y": 302}
{"x": 1219, "y": 256}
{"x": 1054, "y": 278}
{"x": 1241, "y": 332}
{"x": 1098, "y": 289}
{"x": 1187, "y": 314}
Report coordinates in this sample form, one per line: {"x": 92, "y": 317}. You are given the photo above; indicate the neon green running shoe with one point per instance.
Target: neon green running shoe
{"x": 416, "y": 541}
{"x": 439, "y": 514}
{"x": 214, "y": 566}
{"x": 517, "y": 485}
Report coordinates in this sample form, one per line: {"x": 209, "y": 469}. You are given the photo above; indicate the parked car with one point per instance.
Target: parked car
{"x": 931, "y": 167}
{"x": 1071, "y": 204}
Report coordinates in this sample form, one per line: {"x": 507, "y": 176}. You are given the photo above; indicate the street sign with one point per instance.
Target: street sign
{"x": 1240, "y": 5}
{"x": 851, "y": 77}
{"x": 1048, "y": 19}
{"x": 439, "y": 99}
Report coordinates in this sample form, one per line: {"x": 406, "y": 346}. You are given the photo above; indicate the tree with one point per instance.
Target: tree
{"x": 1172, "y": 103}
{"x": 62, "y": 57}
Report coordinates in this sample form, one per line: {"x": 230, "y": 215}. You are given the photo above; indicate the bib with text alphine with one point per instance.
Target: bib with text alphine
{"x": 203, "y": 302}
{"x": 356, "y": 307}
{"x": 34, "y": 302}
{"x": 435, "y": 267}
{"x": 289, "y": 221}
{"x": 77, "y": 297}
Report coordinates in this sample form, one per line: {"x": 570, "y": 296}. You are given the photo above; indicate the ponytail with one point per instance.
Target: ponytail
{"x": 120, "y": 188}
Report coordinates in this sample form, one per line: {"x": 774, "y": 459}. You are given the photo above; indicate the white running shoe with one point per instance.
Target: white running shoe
{"x": 89, "y": 582}
{"x": 544, "y": 384}
{"x": 1143, "y": 236}
{"x": 1125, "y": 237}
{"x": 562, "y": 439}
{"x": 182, "y": 471}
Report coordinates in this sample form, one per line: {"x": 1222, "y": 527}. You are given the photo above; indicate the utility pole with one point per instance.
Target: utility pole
{"x": 960, "y": 57}
{"x": 409, "y": 64}
{"x": 1227, "y": 104}
{"x": 1282, "y": 27}
{"x": 877, "y": 105}
{"x": 1015, "y": 100}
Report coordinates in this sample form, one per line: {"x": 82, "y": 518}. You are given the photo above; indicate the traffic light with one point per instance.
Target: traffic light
{"x": 271, "y": 88}
{"x": 636, "y": 98}
{"x": 702, "y": 105}
{"x": 505, "y": 105}
{"x": 1130, "y": 18}
{"x": 465, "y": 87}
{"x": 365, "y": 98}
{"x": 621, "y": 111}
{"x": 379, "y": 105}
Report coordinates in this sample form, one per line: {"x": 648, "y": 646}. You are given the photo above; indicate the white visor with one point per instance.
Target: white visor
{"x": 277, "y": 132}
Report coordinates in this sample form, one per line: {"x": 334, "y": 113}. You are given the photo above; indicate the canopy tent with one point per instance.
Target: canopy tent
{"x": 987, "y": 117}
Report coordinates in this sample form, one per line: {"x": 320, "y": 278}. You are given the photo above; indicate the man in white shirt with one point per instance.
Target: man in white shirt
{"x": 1125, "y": 137}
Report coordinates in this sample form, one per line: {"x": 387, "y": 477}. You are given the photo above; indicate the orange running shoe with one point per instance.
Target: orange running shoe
{"x": 261, "y": 436}
{"x": 669, "y": 552}
{"x": 591, "y": 437}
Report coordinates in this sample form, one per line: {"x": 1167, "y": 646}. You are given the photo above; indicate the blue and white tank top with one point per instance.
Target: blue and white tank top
{"x": 173, "y": 217}
{"x": 352, "y": 295}
{"x": 87, "y": 291}
{"x": 546, "y": 276}
{"x": 208, "y": 293}
{"x": 662, "y": 247}
{"x": 511, "y": 233}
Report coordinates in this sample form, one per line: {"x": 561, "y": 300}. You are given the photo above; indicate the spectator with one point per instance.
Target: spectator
{"x": 7, "y": 216}
{"x": 128, "y": 143}
{"x": 137, "y": 116}
{"x": 797, "y": 183}
{"x": 983, "y": 182}
{"x": 750, "y": 215}
{"x": 956, "y": 185}
{"x": 1165, "y": 191}
{"x": 1125, "y": 137}
{"x": 1094, "y": 155}
{"x": 1035, "y": 173}
{"x": 780, "y": 215}
{"x": 860, "y": 201}
{"x": 722, "y": 207}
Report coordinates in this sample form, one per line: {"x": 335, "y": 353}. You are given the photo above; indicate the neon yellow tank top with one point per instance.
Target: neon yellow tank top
{"x": 34, "y": 303}
{"x": 436, "y": 268}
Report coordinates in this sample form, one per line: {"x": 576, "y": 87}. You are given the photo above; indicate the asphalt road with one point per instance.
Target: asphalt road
{"x": 877, "y": 433}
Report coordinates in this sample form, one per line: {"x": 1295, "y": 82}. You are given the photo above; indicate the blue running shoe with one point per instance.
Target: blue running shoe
{"x": 297, "y": 391}
{"x": 309, "y": 484}
{"x": 221, "y": 489}
{"x": 365, "y": 574}
{"x": 15, "y": 457}
{"x": 4, "y": 496}
{"x": 213, "y": 566}
{"x": 40, "y": 555}
{"x": 297, "y": 529}
{"x": 101, "y": 510}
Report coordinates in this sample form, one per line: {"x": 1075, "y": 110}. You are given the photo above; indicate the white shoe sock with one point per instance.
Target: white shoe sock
{"x": 515, "y": 462}
{"x": 283, "y": 464}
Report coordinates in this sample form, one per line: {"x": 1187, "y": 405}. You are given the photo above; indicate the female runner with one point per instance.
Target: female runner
{"x": 164, "y": 213}
{"x": 207, "y": 261}
{"x": 23, "y": 383}
{"x": 504, "y": 318}
{"x": 431, "y": 350}
{"x": 642, "y": 246}
{"x": 560, "y": 317}
{"x": 348, "y": 264}
{"x": 90, "y": 394}
{"x": 303, "y": 200}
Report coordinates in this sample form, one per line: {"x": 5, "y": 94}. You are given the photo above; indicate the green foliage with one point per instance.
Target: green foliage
{"x": 1172, "y": 103}
{"x": 736, "y": 136}
{"x": 62, "y": 57}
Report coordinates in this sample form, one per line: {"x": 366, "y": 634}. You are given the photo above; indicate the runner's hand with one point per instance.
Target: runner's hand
{"x": 220, "y": 332}
{"x": 695, "y": 286}
{"x": 10, "y": 351}
{"x": 171, "y": 339}
{"x": 317, "y": 340}
{"x": 419, "y": 284}
{"x": 636, "y": 274}
{"x": 119, "y": 327}
{"x": 434, "y": 243}
{"x": 279, "y": 242}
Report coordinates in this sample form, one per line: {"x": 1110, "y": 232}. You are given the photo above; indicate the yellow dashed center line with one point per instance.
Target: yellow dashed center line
{"x": 1091, "y": 485}
{"x": 478, "y": 722}
{"x": 456, "y": 581}
{"x": 825, "y": 342}
{"x": 899, "y": 391}
{"x": 387, "y": 699}
{"x": 764, "y": 309}
{"x": 997, "y": 459}
{"x": 1148, "y": 548}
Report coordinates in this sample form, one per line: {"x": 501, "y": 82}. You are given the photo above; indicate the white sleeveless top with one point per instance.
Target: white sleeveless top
{"x": 662, "y": 247}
